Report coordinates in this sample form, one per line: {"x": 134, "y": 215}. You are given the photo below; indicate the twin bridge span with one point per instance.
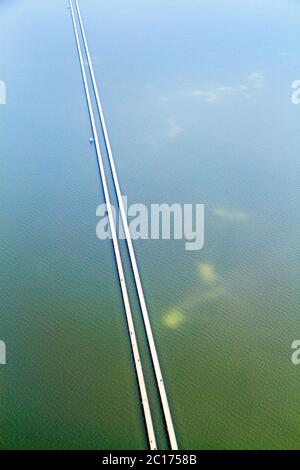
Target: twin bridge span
{"x": 77, "y": 21}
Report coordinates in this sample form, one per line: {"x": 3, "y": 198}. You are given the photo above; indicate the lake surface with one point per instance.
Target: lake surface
{"x": 197, "y": 96}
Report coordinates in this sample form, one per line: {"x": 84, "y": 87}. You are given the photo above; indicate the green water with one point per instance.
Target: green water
{"x": 197, "y": 100}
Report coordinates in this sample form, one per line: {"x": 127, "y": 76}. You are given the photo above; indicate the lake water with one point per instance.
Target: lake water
{"x": 197, "y": 96}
